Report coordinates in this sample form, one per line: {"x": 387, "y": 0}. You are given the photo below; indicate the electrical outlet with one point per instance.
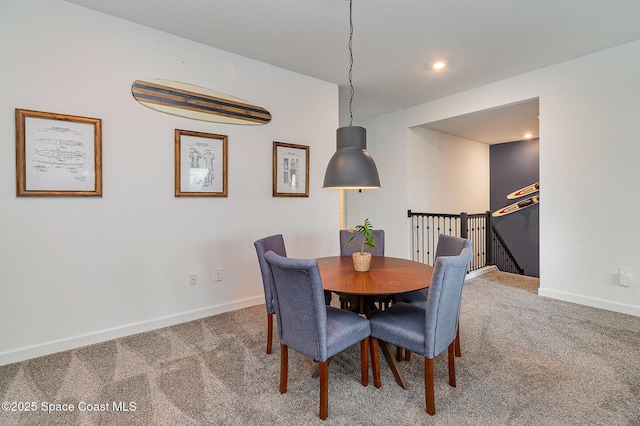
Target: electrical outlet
{"x": 625, "y": 276}
{"x": 193, "y": 279}
{"x": 217, "y": 274}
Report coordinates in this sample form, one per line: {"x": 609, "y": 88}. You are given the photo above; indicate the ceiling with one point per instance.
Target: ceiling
{"x": 507, "y": 123}
{"x": 395, "y": 43}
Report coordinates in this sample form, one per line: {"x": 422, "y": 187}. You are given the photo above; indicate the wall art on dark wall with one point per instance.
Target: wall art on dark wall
{"x": 514, "y": 166}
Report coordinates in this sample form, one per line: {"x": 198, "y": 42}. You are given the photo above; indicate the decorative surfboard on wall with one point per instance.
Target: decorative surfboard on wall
{"x": 199, "y": 103}
{"x": 512, "y": 208}
{"x": 527, "y": 190}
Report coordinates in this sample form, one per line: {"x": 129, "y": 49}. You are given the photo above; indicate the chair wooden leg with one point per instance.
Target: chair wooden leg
{"x": 375, "y": 362}
{"x": 452, "y": 365}
{"x": 364, "y": 361}
{"x": 284, "y": 367}
{"x": 316, "y": 370}
{"x": 407, "y": 355}
{"x": 269, "y": 332}
{"x": 458, "y": 353}
{"x": 324, "y": 389}
{"x": 429, "y": 386}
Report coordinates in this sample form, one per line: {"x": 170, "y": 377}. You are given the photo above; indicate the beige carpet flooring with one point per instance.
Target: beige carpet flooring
{"x": 526, "y": 360}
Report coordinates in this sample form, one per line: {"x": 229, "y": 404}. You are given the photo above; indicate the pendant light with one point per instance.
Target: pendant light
{"x": 351, "y": 167}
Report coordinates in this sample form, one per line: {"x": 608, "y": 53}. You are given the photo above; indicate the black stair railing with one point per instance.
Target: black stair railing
{"x": 489, "y": 248}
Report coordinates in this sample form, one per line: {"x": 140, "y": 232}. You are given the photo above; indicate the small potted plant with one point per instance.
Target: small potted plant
{"x": 362, "y": 259}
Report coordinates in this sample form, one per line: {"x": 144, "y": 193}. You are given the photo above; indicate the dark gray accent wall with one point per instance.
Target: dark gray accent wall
{"x": 513, "y": 166}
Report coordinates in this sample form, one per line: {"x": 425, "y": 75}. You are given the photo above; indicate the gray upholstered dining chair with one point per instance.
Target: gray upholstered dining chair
{"x": 448, "y": 245}
{"x": 308, "y": 326}
{"x": 426, "y": 331}
{"x": 274, "y": 243}
{"x": 354, "y": 246}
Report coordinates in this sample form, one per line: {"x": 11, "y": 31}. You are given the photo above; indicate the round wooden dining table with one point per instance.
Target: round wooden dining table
{"x": 387, "y": 276}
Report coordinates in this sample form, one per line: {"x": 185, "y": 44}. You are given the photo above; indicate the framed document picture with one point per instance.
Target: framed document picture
{"x": 58, "y": 155}
{"x": 290, "y": 170}
{"x": 200, "y": 164}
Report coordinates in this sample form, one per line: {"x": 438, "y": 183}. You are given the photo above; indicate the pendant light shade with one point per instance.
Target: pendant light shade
{"x": 351, "y": 167}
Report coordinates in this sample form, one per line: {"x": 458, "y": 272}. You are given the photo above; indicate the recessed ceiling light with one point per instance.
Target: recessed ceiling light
{"x": 438, "y": 65}
{"x": 528, "y": 135}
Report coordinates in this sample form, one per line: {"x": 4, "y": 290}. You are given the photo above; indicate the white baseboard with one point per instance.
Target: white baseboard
{"x": 589, "y": 301}
{"x": 573, "y": 298}
{"x": 47, "y": 348}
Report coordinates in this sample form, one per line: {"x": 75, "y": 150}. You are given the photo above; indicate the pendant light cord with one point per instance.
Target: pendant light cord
{"x": 352, "y": 91}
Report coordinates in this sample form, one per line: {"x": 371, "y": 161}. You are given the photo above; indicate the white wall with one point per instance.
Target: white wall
{"x": 384, "y": 206}
{"x": 80, "y": 270}
{"x": 588, "y": 171}
{"x": 446, "y": 174}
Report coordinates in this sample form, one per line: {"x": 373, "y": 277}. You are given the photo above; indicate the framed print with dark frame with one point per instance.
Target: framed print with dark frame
{"x": 290, "y": 170}
{"x": 200, "y": 164}
{"x": 58, "y": 155}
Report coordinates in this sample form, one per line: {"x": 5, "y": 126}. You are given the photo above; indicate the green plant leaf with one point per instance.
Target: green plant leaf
{"x": 367, "y": 237}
